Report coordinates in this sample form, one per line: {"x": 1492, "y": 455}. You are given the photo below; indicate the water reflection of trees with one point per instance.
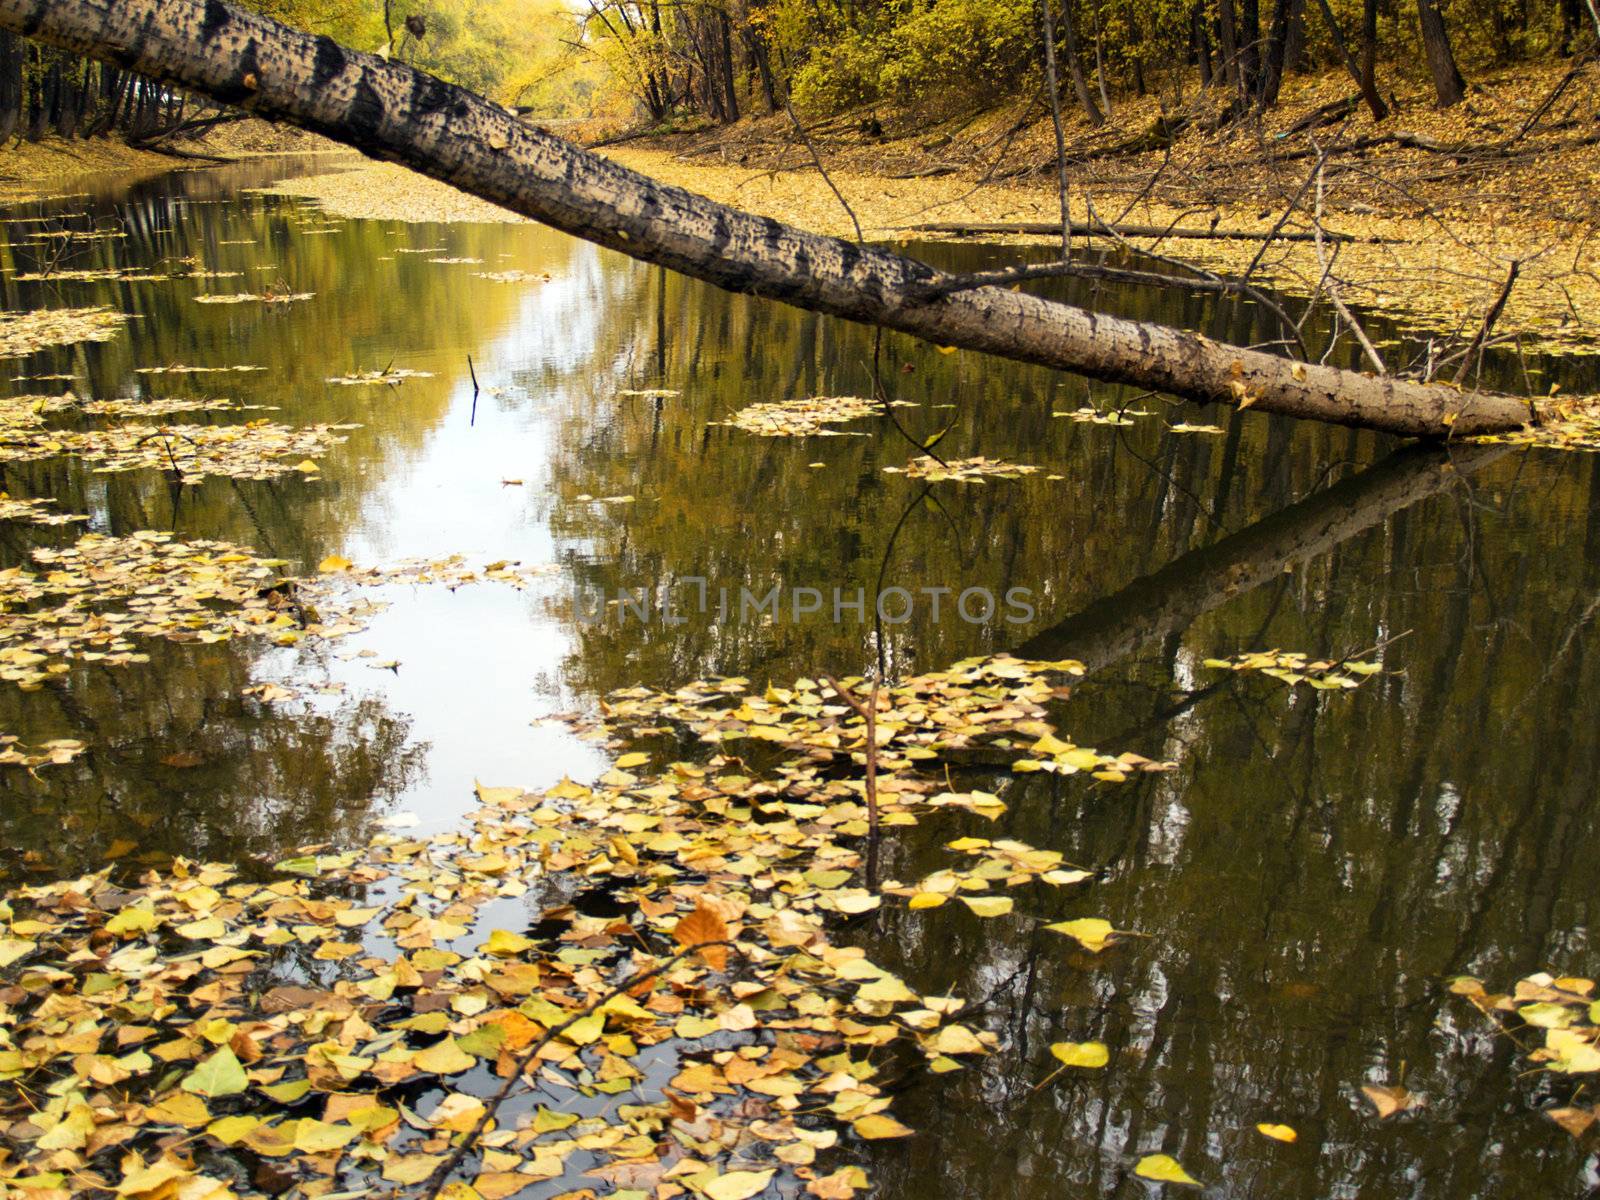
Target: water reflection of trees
{"x": 1308, "y": 880}
{"x": 180, "y": 763}
{"x": 372, "y": 306}
{"x": 1317, "y": 866}
{"x": 265, "y": 780}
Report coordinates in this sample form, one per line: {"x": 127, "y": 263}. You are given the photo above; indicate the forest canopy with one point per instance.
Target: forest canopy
{"x": 665, "y": 64}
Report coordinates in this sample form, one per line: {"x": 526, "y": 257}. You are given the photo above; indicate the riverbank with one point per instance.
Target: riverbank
{"x": 36, "y": 170}
{"x": 46, "y": 168}
{"x": 1439, "y": 209}
{"x": 1442, "y": 203}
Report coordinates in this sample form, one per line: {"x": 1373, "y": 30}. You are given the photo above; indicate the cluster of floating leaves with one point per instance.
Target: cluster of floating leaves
{"x": 1569, "y": 424}
{"x": 91, "y": 602}
{"x": 1088, "y": 415}
{"x": 451, "y": 572}
{"x": 87, "y": 603}
{"x": 994, "y": 703}
{"x": 17, "y": 409}
{"x": 254, "y": 450}
{"x": 1566, "y": 1012}
{"x": 120, "y": 275}
{"x": 34, "y": 512}
{"x": 513, "y": 276}
{"x": 962, "y": 470}
{"x": 1004, "y": 863}
{"x": 649, "y": 394}
{"x": 183, "y": 369}
{"x": 387, "y": 375}
{"x": 802, "y": 418}
{"x": 56, "y": 752}
{"x": 155, "y": 406}
{"x": 78, "y": 235}
{"x": 23, "y": 333}
{"x": 1295, "y": 668}
{"x": 250, "y": 297}
{"x": 161, "y": 1035}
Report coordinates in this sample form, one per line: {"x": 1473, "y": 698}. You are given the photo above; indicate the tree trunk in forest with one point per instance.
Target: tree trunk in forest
{"x": 1365, "y": 76}
{"x": 1228, "y": 39}
{"x": 1294, "y": 48}
{"x": 1368, "y": 79}
{"x": 1448, "y": 85}
{"x": 1249, "y": 36}
{"x": 1285, "y": 14}
{"x": 729, "y": 86}
{"x": 10, "y": 84}
{"x": 395, "y": 112}
{"x": 1070, "y": 51}
{"x": 1202, "y": 44}
{"x": 756, "y": 46}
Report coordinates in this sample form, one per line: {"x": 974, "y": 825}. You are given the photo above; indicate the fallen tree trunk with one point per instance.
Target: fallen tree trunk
{"x": 392, "y": 111}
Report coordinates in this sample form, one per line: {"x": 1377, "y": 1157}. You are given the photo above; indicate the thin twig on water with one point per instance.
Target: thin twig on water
{"x": 868, "y": 713}
{"x": 435, "y": 1182}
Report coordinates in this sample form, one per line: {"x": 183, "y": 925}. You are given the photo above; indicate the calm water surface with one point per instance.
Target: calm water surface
{"x": 1307, "y": 879}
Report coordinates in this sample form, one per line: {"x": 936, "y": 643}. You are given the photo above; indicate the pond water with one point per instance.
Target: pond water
{"x": 1306, "y": 880}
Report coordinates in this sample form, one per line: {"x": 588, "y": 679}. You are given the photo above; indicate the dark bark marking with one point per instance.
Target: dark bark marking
{"x": 217, "y": 19}
{"x": 428, "y": 95}
{"x": 366, "y": 112}
{"x": 242, "y": 85}
{"x": 329, "y": 63}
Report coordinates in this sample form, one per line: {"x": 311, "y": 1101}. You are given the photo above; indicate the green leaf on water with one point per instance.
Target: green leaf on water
{"x": 219, "y": 1075}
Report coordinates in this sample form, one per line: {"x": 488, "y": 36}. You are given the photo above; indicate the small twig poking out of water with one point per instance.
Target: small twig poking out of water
{"x": 869, "y": 713}
{"x": 434, "y": 1183}
{"x": 473, "y": 371}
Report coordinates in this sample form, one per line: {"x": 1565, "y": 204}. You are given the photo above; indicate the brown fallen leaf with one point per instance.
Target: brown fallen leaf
{"x": 1390, "y": 1100}
{"x": 1575, "y": 1121}
{"x": 702, "y": 926}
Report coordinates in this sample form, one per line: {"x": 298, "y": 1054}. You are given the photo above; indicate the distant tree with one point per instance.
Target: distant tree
{"x": 1447, "y": 82}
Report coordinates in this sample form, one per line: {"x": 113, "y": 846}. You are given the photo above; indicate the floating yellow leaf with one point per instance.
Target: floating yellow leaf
{"x": 1092, "y": 933}
{"x": 443, "y": 1058}
{"x": 1278, "y": 1133}
{"x": 1389, "y": 1100}
{"x": 1091, "y": 1055}
{"x": 738, "y": 1185}
{"x": 506, "y": 944}
{"x": 219, "y": 1075}
{"x": 699, "y": 927}
{"x": 1163, "y": 1168}
{"x": 876, "y": 1126}
{"x": 988, "y": 906}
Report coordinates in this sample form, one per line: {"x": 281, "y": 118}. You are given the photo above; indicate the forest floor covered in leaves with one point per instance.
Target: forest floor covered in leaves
{"x": 1440, "y": 203}
{"x": 1434, "y": 206}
